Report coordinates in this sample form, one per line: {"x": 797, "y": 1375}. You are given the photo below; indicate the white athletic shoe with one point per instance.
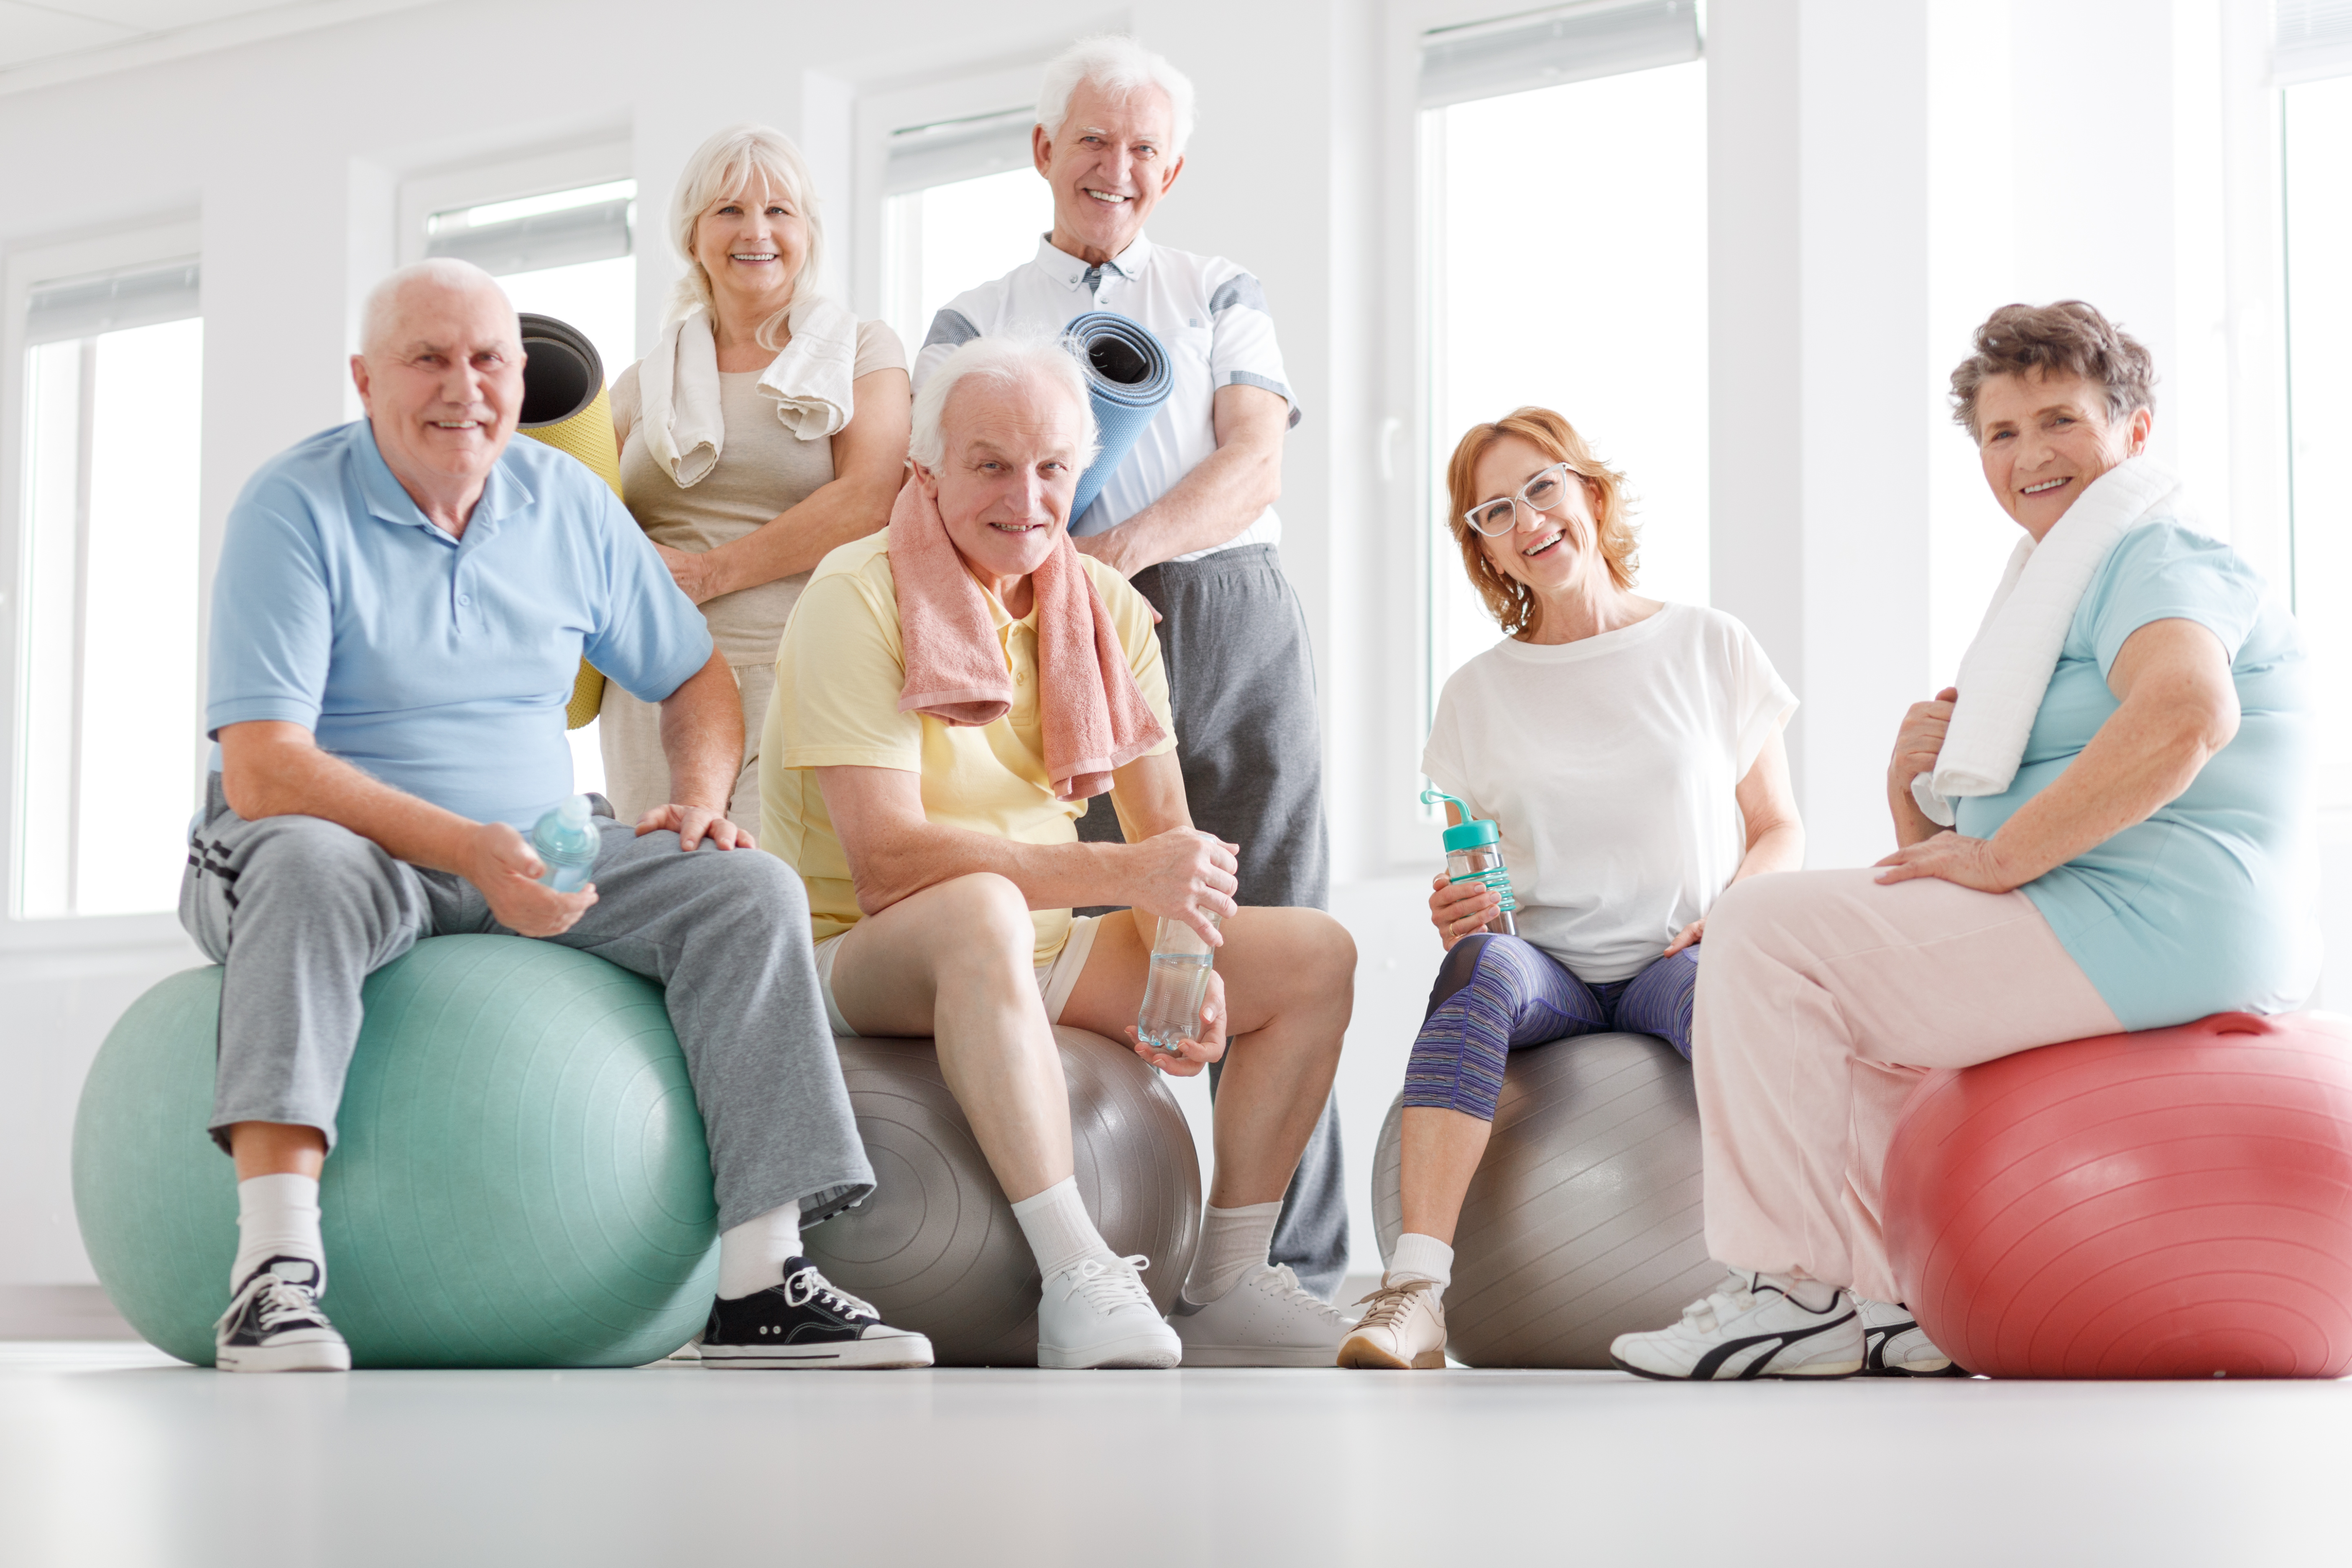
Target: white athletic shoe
{"x": 1749, "y": 1326}
{"x": 1098, "y": 1314}
{"x": 1402, "y": 1329}
{"x": 1267, "y": 1318}
{"x": 1894, "y": 1345}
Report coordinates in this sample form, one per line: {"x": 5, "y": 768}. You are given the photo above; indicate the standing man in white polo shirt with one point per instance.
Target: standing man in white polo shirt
{"x": 1189, "y": 515}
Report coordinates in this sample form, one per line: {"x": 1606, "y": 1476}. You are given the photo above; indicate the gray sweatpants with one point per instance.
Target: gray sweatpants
{"x": 1240, "y": 681}
{"x": 300, "y": 910}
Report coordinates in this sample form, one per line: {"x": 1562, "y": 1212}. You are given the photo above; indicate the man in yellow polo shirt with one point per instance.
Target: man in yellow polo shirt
{"x": 942, "y": 868}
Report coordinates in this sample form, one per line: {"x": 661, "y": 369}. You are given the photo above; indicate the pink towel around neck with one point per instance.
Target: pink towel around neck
{"x": 1093, "y": 715}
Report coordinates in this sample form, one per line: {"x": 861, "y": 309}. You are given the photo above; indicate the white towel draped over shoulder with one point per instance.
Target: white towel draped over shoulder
{"x": 810, "y": 381}
{"x": 2007, "y": 668}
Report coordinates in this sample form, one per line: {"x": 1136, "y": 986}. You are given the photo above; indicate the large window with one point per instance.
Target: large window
{"x": 106, "y": 704}
{"x": 569, "y": 253}
{"x": 962, "y": 203}
{"x": 1565, "y": 249}
{"x": 2319, "y": 146}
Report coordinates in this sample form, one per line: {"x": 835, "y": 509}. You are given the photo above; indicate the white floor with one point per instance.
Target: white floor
{"x": 111, "y": 1456}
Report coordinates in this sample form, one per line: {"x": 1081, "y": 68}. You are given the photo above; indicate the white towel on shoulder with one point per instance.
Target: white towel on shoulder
{"x": 810, "y": 381}
{"x": 2007, "y": 668}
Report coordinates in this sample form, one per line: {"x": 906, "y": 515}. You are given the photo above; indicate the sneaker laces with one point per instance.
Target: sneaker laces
{"x": 1386, "y": 1307}
{"x": 281, "y": 1298}
{"x": 804, "y": 1285}
{"x": 1283, "y": 1283}
{"x": 1107, "y": 1287}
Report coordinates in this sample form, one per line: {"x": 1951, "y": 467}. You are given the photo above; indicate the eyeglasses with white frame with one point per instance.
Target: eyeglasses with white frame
{"x": 1496, "y": 518}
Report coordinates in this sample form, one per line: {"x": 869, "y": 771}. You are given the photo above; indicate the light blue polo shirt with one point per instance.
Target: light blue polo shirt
{"x": 2211, "y": 904}
{"x": 440, "y": 665}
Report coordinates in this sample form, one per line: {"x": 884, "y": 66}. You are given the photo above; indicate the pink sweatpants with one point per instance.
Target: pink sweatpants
{"x": 1823, "y": 999}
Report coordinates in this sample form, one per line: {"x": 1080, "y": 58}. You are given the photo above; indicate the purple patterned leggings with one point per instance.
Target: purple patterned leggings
{"x": 1497, "y": 994}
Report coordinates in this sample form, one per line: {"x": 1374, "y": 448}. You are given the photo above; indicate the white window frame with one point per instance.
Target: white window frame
{"x": 152, "y": 244}
{"x": 1409, "y": 481}
{"x": 880, "y": 114}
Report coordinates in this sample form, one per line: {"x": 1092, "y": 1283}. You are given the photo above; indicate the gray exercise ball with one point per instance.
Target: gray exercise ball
{"x": 936, "y": 1247}
{"x": 1584, "y": 1220}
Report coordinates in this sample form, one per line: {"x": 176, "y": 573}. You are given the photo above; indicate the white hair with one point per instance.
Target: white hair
{"x": 1011, "y": 361}
{"x": 381, "y": 313}
{"x": 724, "y": 166}
{"x": 1119, "y": 65}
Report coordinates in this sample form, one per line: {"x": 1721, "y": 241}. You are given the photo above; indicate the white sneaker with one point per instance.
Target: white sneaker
{"x": 1749, "y": 1326}
{"x": 1894, "y": 1345}
{"x": 1098, "y": 1314}
{"x": 1402, "y": 1329}
{"x": 1267, "y": 1318}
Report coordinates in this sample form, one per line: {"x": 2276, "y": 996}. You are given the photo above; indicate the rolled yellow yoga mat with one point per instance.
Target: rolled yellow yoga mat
{"x": 565, "y": 405}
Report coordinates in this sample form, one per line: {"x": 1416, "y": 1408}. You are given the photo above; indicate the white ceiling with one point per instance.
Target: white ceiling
{"x": 74, "y": 38}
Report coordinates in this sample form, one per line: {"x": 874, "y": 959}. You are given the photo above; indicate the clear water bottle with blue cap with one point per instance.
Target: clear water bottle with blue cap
{"x": 1473, "y": 854}
{"x": 565, "y": 842}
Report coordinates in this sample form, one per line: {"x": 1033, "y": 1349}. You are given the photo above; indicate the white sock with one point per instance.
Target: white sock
{"x": 1232, "y": 1242}
{"x": 1059, "y": 1230}
{"x": 751, "y": 1255}
{"x": 1419, "y": 1257}
{"x": 277, "y": 1217}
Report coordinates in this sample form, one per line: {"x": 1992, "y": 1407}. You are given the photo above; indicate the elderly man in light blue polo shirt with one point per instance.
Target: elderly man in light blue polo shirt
{"x": 400, "y": 604}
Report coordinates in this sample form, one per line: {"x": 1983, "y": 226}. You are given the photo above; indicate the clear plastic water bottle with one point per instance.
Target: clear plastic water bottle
{"x": 1178, "y": 984}
{"x": 1473, "y": 855}
{"x": 565, "y": 842}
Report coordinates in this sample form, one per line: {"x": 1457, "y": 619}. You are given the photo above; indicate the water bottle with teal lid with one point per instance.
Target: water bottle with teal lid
{"x": 1473, "y": 854}
{"x": 565, "y": 842}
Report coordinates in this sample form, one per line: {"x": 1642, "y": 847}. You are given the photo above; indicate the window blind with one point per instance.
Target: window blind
{"x": 922, "y": 156}
{"x": 1546, "y": 48}
{"x": 84, "y": 306}
{"x": 2310, "y": 39}
{"x": 596, "y": 232}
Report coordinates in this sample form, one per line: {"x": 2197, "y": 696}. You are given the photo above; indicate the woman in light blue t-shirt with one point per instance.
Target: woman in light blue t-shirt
{"x": 2145, "y": 862}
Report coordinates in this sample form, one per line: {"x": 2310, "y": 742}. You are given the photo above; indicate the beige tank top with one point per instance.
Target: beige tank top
{"x": 763, "y": 470}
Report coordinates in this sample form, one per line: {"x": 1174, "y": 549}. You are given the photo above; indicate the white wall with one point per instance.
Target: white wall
{"x": 1883, "y": 171}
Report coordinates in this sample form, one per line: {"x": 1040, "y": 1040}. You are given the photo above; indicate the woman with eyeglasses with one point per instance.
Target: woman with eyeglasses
{"x": 1630, "y": 752}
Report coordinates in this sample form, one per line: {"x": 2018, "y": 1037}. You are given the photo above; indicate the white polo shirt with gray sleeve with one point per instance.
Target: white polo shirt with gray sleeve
{"x": 1209, "y": 314}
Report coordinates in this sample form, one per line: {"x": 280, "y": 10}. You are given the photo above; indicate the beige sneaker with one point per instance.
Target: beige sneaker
{"x": 1402, "y": 1329}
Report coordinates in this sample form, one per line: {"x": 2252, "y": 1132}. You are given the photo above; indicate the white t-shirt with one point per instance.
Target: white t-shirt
{"x": 1208, "y": 313}
{"x": 1610, "y": 765}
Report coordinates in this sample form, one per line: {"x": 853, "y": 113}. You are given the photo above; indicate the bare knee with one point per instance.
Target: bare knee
{"x": 980, "y": 924}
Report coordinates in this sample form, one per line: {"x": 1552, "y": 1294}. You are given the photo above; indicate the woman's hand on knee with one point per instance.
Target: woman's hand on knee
{"x": 1952, "y": 857}
{"x": 1689, "y": 936}
{"x": 1461, "y": 908}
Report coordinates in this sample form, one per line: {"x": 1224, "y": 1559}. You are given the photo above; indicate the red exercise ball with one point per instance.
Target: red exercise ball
{"x": 2176, "y": 1203}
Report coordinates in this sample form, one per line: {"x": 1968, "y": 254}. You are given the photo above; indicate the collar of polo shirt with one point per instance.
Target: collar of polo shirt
{"x": 1059, "y": 263}
{"x": 503, "y": 493}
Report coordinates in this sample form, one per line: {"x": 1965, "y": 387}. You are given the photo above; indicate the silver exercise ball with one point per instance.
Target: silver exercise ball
{"x": 936, "y": 1247}
{"x": 1584, "y": 1220}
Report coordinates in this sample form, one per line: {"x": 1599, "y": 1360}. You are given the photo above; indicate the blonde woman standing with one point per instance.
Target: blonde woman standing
{"x": 768, "y": 426}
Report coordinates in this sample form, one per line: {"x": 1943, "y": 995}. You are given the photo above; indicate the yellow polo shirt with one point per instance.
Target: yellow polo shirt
{"x": 839, "y": 671}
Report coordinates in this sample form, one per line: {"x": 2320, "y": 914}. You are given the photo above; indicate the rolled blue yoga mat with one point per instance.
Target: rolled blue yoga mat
{"x": 1128, "y": 377}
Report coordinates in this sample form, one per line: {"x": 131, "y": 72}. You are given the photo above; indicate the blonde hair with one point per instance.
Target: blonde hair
{"x": 1511, "y": 602}
{"x": 723, "y": 166}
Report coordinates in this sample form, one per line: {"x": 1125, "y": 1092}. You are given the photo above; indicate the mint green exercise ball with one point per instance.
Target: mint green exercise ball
{"x": 519, "y": 1176}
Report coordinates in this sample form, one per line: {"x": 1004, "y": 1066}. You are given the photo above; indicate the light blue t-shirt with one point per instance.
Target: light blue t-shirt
{"x": 2210, "y": 905}
{"x": 440, "y": 665}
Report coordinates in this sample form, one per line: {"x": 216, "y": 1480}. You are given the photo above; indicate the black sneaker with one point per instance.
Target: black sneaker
{"x": 805, "y": 1322}
{"x": 275, "y": 1323}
